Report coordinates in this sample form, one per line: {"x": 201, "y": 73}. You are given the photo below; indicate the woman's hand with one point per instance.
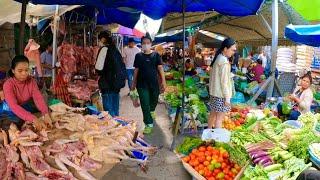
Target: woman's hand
{"x": 48, "y": 120}
{"x": 163, "y": 87}
{"x": 294, "y": 98}
{"x": 39, "y": 124}
{"x": 227, "y": 103}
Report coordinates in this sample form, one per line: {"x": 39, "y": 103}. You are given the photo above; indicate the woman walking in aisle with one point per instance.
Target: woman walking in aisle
{"x": 148, "y": 65}
{"x": 220, "y": 85}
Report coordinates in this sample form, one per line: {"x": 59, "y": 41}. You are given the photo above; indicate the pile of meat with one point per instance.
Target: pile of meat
{"x": 107, "y": 140}
{"x": 22, "y": 158}
{"x": 83, "y": 89}
{"x": 92, "y": 142}
{"x": 76, "y": 59}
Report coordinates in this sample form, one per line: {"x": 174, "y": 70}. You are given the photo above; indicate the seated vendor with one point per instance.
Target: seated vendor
{"x": 301, "y": 98}
{"x": 20, "y": 90}
{"x": 190, "y": 70}
{"x": 258, "y": 71}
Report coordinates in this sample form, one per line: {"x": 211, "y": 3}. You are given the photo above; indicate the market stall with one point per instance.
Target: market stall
{"x": 263, "y": 147}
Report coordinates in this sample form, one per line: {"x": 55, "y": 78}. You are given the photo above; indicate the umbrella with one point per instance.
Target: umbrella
{"x": 309, "y": 9}
{"x": 304, "y": 34}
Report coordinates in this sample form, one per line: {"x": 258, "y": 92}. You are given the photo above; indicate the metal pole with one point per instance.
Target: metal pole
{"x": 275, "y": 19}
{"x": 183, "y": 68}
{"x": 22, "y": 25}
{"x": 54, "y": 43}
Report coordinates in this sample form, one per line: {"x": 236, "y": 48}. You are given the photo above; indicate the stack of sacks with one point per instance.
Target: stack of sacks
{"x": 316, "y": 58}
{"x": 284, "y": 60}
{"x": 304, "y": 57}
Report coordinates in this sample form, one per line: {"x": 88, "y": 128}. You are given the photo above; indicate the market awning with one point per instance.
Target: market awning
{"x": 203, "y": 37}
{"x": 304, "y": 34}
{"x": 10, "y": 11}
{"x": 159, "y": 8}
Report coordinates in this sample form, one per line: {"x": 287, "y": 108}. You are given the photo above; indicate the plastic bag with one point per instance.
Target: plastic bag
{"x": 219, "y": 134}
{"x": 238, "y": 98}
{"x": 135, "y": 98}
{"x": 286, "y": 108}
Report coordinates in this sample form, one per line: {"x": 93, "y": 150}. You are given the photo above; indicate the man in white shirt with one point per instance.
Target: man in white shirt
{"x": 263, "y": 58}
{"x": 129, "y": 54}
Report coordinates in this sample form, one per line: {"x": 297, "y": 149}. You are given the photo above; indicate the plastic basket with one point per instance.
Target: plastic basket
{"x": 314, "y": 158}
{"x": 294, "y": 123}
{"x": 219, "y": 134}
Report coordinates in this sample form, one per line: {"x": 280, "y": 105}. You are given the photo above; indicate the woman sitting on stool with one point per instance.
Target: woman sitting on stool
{"x": 302, "y": 98}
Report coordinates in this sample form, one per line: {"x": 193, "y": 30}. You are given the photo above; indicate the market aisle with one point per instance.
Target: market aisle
{"x": 164, "y": 165}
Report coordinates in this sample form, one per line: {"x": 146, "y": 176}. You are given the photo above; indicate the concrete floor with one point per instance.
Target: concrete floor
{"x": 164, "y": 165}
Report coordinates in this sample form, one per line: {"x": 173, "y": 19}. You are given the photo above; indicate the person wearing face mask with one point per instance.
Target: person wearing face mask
{"x": 21, "y": 93}
{"x": 148, "y": 65}
{"x": 112, "y": 73}
{"x": 220, "y": 86}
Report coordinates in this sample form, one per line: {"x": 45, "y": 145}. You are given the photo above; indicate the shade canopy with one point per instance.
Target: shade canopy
{"x": 309, "y": 9}
{"x": 159, "y": 8}
{"x": 304, "y": 34}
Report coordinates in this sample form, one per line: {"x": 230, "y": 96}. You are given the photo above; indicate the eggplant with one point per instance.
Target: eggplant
{"x": 263, "y": 161}
{"x": 258, "y": 154}
{"x": 267, "y": 164}
{"x": 257, "y": 160}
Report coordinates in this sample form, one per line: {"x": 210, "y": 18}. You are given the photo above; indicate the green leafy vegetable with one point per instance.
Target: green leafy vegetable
{"x": 300, "y": 142}
{"x": 188, "y": 144}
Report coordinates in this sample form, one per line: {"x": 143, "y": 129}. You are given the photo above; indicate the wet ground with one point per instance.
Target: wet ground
{"x": 164, "y": 165}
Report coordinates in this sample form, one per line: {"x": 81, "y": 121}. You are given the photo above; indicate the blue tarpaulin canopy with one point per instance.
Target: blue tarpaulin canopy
{"x": 304, "y": 34}
{"x": 104, "y": 16}
{"x": 159, "y": 8}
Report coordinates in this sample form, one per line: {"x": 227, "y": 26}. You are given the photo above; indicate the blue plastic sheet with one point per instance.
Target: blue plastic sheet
{"x": 304, "y": 34}
{"x": 157, "y": 9}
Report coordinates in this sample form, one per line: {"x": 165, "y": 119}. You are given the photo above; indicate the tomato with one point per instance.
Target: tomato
{"x": 223, "y": 165}
{"x": 209, "y": 148}
{"x": 215, "y": 152}
{"x": 202, "y": 148}
{"x": 220, "y": 159}
{"x": 186, "y": 159}
{"x": 225, "y": 154}
{"x": 192, "y": 156}
{"x": 237, "y": 123}
{"x": 206, "y": 163}
{"x": 201, "y": 154}
{"x": 196, "y": 162}
{"x": 215, "y": 157}
{"x": 220, "y": 175}
{"x": 208, "y": 158}
{"x": 234, "y": 171}
{"x": 194, "y": 151}
{"x": 212, "y": 178}
{"x": 201, "y": 166}
{"x": 201, "y": 159}
{"x": 196, "y": 168}
{"x": 216, "y": 171}
{"x": 201, "y": 172}
{"x": 207, "y": 173}
{"x": 237, "y": 167}
{"x": 208, "y": 153}
{"x": 226, "y": 177}
{"x": 225, "y": 171}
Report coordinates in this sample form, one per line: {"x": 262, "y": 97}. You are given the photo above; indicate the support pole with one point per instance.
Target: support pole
{"x": 180, "y": 111}
{"x": 183, "y": 68}
{"x": 275, "y": 28}
{"x": 22, "y": 25}
{"x": 54, "y": 43}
